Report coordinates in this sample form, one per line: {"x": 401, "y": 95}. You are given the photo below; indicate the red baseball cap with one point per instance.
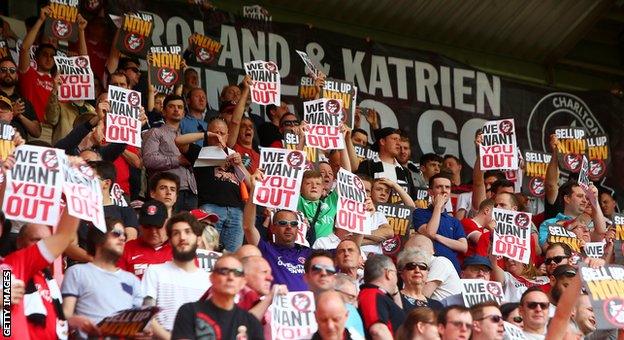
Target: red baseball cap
{"x": 200, "y": 215}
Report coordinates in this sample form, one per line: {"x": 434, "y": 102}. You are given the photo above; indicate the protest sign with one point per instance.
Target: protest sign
{"x": 421, "y": 198}
{"x": 599, "y": 156}
{"x": 307, "y": 90}
{"x": 498, "y": 146}
{"x": 77, "y": 81}
{"x": 302, "y": 231}
{"x": 127, "y": 323}
{"x": 594, "y": 249}
{"x": 117, "y": 195}
{"x": 513, "y": 332}
{"x": 205, "y": 49}
{"x": 266, "y": 85}
{"x": 135, "y": 35}
{"x": 559, "y": 234}
{"x": 4, "y": 49}
{"x": 475, "y": 291}
{"x": 583, "y": 178}
{"x": 324, "y": 117}
{"x": 512, "y": 235}
{"x": 83, "y": 194}
{"x": 618, "y": 242}
{"x": 292, "y": 316}
{"x": 535, "y": 165}
{"x": 7, "y": 132}
{"x": 256, "y": 12}
{"x": 605, "y": 286}
{"x": 351, "y": 214}
{"x": 310, "y": 68}
{"x": 34, "y": 185}
{"x": 572, "y": 146}
{"x": 165, "y": 67}
{"x": 364, "y": 152}
{"x": 61, "y": 23}
{"x": 207, "y": 259}
{"x": 122, "y": 121}
{"x": 346, "y": 92}
{"x": 313, "y": 156}
{"x": 399, "y": 217}
{"x": 283, "y": 173}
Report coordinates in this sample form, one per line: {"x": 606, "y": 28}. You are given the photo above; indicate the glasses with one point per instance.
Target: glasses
{"x": 284, "y": 223}
{"x": 533, "y": 305}
{"x": 317, "y": 268}
{"x": 494, "y": 318}
{"x": 517, "y": 319}
{"x": 117, "y": 233}
{"x": 555, "y": 259}
{"x": 290, "y": 123}
{"x": 10, "y": 70}
{"x": 133, "y": 69}
{"x": 414, "y": 265}
{"x": 227, "y": 271}
{"x": 459, "y": 324}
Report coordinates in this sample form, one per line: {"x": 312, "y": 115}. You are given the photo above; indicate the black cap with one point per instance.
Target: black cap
{"x": 564, "y": 270}
{"x": 383, "y": 133}
{"x": 153, "y": 213}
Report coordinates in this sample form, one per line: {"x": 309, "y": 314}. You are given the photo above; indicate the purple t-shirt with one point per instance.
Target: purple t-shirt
{"x": 286, "y": 264}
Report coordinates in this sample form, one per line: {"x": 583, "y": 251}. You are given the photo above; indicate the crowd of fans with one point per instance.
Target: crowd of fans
{"x": 147, "y": 257}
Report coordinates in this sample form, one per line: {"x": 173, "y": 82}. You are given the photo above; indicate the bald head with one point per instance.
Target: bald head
{"x": 31, "y": 233}
{"x": 420, "y": 242}
{"x": 247, "y": 250}
{"x": 331, "y": 315}
{"x": 258, "y": 274}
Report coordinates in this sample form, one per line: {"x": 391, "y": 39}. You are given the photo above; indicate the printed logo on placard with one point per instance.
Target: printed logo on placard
{"x": 493, "y": 288}
{"x": 332, "y": 106}
{"x": 82, "y": 62}
{"x": 572, "y": 162}
{"x": 295, "y": 159}
{"x": 522, "y": 220}
{"x": 270, "y": 66}
{"x": 536, "y": 186}
{"x": 597, "y": 169}
{"x": 203, "y": 55}
{"x": 301, "y": 302}
{"x": 506, "y": 127}
{"x": 167, "y": 76}
{"x": 134, "y": 99}
{"x": 50, "y": 159}
{"x": 358, "y": 183}
{"x": 86, "y": 170}
{"x": 134, "y": 42}
{"x": 61, "y": 29}
{"x": 614, "y": 311}
{"x": 390, "y": 246}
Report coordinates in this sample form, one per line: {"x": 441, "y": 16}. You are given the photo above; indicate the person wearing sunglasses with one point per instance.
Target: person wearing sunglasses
{"x": 151, "y": 247}
{"x": 511, "y": 313}
{"x": 533, "y": 309}
{"x": 319, "y": 271}
{"x": 285, "y": 256}
{"x": 23, "y": 117}
{"x": 455, "y": 323}
{"x": 219, "y": 315}
{"x": 95, "y": 290}
{"x": 487, "y": 321}
{"x": 414, "y": 268}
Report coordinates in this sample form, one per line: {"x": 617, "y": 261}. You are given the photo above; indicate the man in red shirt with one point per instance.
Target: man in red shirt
{"x": 152, "y": 246}
{"x": 477, "y": 226}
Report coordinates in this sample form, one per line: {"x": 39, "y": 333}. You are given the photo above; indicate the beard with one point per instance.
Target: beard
{"x": 8, "y": 81}
{"x": 185, "y": 256}
{"x": 111, "y": 255}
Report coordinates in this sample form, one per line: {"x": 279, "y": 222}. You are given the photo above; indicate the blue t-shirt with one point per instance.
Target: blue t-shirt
{"x": 449, "y": 227}
{"x": 286, "y": 264}
{"x": 191, "y": 124}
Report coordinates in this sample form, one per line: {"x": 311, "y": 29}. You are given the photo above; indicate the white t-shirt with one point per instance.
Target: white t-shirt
{"x": 389, "y": 171}
{"x": 514, "y": 288}
{"x": 172, "y": 287}
{"x": 378, "y": 219}
{"x": 442, "y": 269}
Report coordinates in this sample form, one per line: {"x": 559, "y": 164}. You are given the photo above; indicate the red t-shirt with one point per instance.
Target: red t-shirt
{"x": 24, "y": 264}
{"x": 123, "y": 170}
{"x": 250, "y": 154}
{"x": 36, "y": 87}
{"x": 49, "y": 331}
{"x": 138, "y": 255}
{"x": 470, "y": 226}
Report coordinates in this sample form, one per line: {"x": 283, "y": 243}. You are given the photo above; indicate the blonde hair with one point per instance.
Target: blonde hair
{"x": 210, "y": 237}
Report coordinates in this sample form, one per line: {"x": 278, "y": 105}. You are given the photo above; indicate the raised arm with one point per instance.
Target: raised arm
{"x": 113, "y": 57}
{"x": 558, "y": 324}
{"x": 82, "y": 42}
{"x": 29, "y": 40}
{"x": 239, "y": 110}
{"x": 552, "y": 172}
{"x": 478, "y": 182}
{"x": 252, "y": 236}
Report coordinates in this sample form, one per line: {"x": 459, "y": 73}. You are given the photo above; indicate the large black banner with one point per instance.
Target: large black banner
{"x": 439, "y": 102}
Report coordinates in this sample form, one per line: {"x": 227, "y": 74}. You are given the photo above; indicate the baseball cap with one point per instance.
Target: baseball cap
{"x": 203, "y": 215}
{"x": 382, "y": 133}
{"x": 153, "y": 213}
{"x": 6, "y": 102}
{"x": 564, "y": 270}
{"x": 477, "y": 260}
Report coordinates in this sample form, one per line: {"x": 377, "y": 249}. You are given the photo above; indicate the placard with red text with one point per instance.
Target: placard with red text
{"x": 351, "y": 214}
{"x": 324, "y": 118}
{"x": 283, "y": 174}
{"x": 498, "y": 146}
{"x": 83, "y": 194}
{"x": 512, "y": 235}
{"x": 266, "y": 88}
{"x": 77, "y": 81}
{"x": 122, "y": 121}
